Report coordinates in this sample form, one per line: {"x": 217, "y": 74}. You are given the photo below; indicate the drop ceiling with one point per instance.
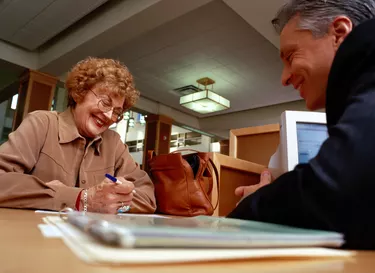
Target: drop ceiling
{"x": 31, "y": 23}
{"x": 230, "y": 41}
{"x": 212, "y": 41}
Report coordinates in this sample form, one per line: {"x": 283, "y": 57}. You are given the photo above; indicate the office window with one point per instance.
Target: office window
{"x": 182, "y": 138}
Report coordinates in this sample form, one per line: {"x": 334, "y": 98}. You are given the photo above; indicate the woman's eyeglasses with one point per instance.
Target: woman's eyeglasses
{"x": 105, "y": 105}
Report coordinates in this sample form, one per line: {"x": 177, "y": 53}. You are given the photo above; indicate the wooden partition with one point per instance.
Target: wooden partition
{"x": 157, "y": 136}
{"x": 233, "y": 172}
{"x": 36, "y": 92}
{"x": 254, "y": 144}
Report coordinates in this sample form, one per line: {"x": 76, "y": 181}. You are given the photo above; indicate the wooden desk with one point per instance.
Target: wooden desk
{"x": 24, "y": 249}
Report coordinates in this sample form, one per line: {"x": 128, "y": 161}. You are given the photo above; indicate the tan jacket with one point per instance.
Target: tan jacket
{"x": 46, "y": 147}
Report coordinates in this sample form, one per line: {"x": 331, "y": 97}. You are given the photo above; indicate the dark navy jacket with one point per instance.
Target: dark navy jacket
{"x": 335, "y": 190}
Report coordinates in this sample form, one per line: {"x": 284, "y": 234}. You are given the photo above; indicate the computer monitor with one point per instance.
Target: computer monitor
{"x": 301, "y": 135}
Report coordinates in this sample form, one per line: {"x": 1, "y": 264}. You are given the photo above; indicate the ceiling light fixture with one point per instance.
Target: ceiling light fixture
{"x": 205, "y": 101}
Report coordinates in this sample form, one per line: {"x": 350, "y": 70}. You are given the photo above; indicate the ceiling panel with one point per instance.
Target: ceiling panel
{"x": 218, "y": 44}
{"x": 15, "y": 14}
{"x": 30, "y": 24}
{"x": 4, "y": 4}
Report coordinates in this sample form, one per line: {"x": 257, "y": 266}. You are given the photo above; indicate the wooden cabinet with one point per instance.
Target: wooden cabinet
{"x": 233, "y": 172}
{"x": 254, "y": 144}
{"x": 36, "y": 92}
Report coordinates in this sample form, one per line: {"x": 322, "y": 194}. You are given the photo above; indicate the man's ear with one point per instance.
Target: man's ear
{"x": 339, "y": 29}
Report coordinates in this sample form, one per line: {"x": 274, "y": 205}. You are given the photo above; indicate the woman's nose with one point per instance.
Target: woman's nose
{"x": 109, "y": 114}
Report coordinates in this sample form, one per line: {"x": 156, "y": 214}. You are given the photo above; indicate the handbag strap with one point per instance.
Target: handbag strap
{"x": 151, "y": 154}
{"x": 185, "y": 150}
{"x": 217, "y": 182}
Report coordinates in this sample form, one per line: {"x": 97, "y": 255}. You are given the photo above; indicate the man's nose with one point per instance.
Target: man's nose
{"x": 285, "y": 77}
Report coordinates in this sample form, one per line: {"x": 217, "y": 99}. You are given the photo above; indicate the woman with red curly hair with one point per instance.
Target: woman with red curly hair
{"x": 57, "y": 160}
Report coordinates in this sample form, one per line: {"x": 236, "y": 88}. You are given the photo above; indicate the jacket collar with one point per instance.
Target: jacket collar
{"x": 352, "y": 68}
{"x": 68, "y": 131}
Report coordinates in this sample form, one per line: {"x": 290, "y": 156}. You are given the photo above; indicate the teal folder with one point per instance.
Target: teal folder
{"x": 140, "y": 231}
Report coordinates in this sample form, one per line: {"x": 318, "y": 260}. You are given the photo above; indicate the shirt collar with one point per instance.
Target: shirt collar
{"x": 68, "y": 130}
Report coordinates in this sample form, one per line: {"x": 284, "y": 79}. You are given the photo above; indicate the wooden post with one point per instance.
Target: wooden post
{"x": 35, "y": 92}
{"x": 157, "y": 136}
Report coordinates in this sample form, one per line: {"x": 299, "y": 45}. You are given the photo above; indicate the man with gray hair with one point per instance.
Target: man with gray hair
{"x": 328, "y": 51}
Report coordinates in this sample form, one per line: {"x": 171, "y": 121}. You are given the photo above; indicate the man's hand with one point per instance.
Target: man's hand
{"x": 243, "y": 191}
{"x": 108, "y": 197}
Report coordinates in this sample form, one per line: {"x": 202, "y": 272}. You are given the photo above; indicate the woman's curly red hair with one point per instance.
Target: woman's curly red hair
{"x": 108, "y": 73}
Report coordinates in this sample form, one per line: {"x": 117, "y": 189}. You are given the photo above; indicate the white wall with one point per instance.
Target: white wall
{"x": 153, "y": 107}
{"x": 220, "y": 125}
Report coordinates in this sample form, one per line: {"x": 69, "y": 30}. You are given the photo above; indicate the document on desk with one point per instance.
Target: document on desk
{"x": 49, "y": 231}
{"x": 153, "y": 250}
{"x": 138, "y": 215}
{"x": 48, "y": 212}
{"x": 132, "y": 231}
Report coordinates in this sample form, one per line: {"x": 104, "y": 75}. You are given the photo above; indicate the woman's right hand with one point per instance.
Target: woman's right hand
{"x": 108, "y": 197}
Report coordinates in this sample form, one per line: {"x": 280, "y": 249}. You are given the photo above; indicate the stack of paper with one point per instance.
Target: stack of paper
{"x": 134, "y": 239}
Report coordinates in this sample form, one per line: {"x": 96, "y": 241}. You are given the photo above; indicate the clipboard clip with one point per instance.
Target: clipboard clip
{"x": 64, "y": 211}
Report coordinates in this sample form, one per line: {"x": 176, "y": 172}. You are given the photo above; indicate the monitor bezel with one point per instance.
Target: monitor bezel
{"x": 288, "y": 134}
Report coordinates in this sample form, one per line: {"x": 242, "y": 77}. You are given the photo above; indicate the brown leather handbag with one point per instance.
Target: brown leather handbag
{"x": 183, "y": 183}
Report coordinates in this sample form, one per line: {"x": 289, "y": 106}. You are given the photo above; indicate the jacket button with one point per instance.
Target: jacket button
{"x": 83, "y": 181}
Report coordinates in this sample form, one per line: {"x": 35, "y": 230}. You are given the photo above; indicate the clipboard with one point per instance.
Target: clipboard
{"x": 134, "y": 231}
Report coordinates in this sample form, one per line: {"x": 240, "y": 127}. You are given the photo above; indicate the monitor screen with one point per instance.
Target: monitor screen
{"x": 310, "y": 137}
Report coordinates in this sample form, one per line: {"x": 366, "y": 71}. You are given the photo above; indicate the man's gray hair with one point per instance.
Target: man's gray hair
{"x": 317, "y": 15}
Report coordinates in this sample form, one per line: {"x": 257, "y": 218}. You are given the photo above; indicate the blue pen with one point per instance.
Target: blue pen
{"x": 114, "y": 179}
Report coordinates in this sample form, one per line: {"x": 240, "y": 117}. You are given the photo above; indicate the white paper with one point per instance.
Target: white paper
{"x": 130, "y": 214}
{"x": 90, "y": 251}
{"x": 144, "y": 215}
{"x": 48, "y": 212}
{"x": 50, "y": 231}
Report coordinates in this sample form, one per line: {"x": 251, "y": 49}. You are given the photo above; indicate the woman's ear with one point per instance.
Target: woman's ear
{"x": 77, "y": 97}
{"x": 339, "y": 29}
